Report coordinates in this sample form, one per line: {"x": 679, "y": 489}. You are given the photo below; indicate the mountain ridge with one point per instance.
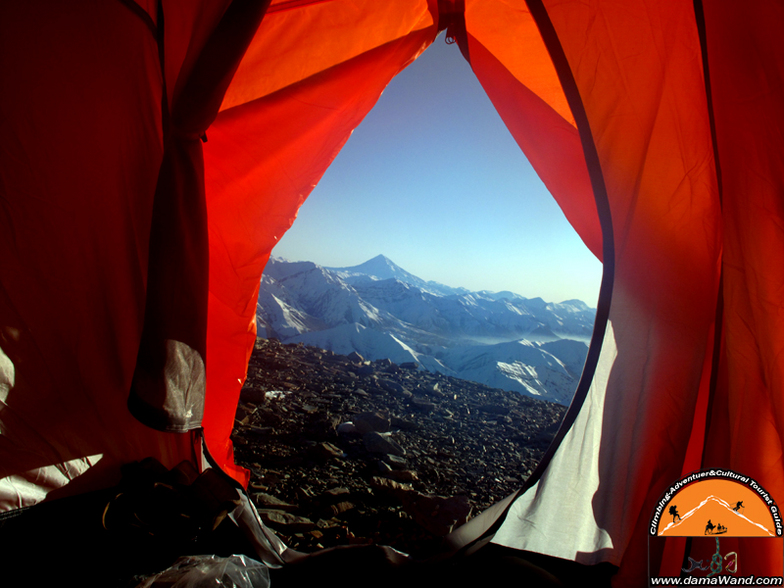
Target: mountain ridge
{"x": 451, "y": 330}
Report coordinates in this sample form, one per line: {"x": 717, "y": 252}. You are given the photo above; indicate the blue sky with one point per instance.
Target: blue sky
{"x": 433, "y": 180}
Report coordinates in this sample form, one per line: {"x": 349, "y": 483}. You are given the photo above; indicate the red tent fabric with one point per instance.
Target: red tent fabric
{"x": 279, "y": 130}
{"x": 131, "y": 249}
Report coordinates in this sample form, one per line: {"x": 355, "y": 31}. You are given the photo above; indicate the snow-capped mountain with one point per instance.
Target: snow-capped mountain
{"x": 542, "y": 369}
{"x": 382, "y": 311}
{"x": 383, "y": 268}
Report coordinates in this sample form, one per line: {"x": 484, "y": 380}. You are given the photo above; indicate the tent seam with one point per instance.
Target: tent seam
{"x": 555, "y": 49}
{"x": 142, "y": 14}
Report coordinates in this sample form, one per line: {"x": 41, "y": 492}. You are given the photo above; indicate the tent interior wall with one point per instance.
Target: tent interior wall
{"x": 152, "y": 153}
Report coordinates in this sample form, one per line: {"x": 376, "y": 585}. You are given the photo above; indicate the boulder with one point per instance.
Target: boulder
{"x": 365, "y": 422}
{"x": 377, "y": 443}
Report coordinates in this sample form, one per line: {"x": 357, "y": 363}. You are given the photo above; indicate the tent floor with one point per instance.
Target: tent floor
{"x": 64, "y": 540}
{"x": 492, "y": 566}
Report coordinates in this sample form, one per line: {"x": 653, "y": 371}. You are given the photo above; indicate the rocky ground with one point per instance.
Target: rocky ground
{"x": 343, "y": 450}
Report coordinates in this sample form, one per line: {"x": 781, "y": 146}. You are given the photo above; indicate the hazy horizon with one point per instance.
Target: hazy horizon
{"x": 433, "y": 180}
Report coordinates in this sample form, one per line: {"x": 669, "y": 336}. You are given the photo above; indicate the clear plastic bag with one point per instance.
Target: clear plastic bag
{"x": 202, "y": 571}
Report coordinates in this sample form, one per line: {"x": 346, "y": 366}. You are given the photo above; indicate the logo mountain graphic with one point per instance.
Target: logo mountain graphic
{"x": 715, "y": 516}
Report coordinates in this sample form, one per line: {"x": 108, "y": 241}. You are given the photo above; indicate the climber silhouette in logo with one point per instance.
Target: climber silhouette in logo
{"x": 738, "y": 506}
{"x": 674, "y": 512}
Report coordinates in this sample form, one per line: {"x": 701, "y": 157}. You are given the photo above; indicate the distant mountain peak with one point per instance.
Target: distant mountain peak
{"x": 578, "y": 304}
{"x": 380, "y": 266}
